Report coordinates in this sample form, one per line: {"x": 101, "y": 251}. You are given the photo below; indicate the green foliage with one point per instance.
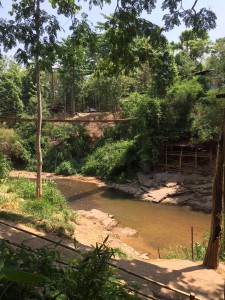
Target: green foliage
{"x": 4, "y": 166}
{"x": 185, "y": 66}
{"x": 13, "y": 275}
{"x": 110, "y": 160}
{"x": 51, "y": 208}
{"x": 13, "y": 146}
{"x": 10, "y": 88}
{"x": 129, "y": 106}
{"x": 177, "y": 108}
{"x": 163, "y": 73}
{"x": 199, "y": 250}
{"x": 104, "y": 92}
{"x": 216, "y": 62}
{"x": 62, "y": 146}
{"x": 189, "y": 52}
{"x": 94, "y": 272}
{"x": 146, "y": 129}
{"x": 149, "y": 134}
{"x": 65, "y": 168}
{"x": 129, "y": 146}
{"x": 73, "y": 67}
{"x": 66, "y": 144}
{"x": 89, "y": 277}
{"x": 206, "y": 117}
{"x": 194, "y": 44}
{"x": 125, "y": 52}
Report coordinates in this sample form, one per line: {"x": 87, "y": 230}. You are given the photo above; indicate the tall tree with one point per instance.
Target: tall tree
{"x": 211, "y": 259}
{"x": 36, "y": 30}
{"x": 10, "y": 88}
{"x": 216, "y": 61}
{"x": 190, "y": 50}
{"x": 74, "y": 57}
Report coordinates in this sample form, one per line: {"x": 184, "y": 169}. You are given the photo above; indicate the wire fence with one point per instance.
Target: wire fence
{"x": 190, "y": 295}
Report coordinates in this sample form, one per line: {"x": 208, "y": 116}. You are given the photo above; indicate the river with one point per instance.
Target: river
{"x": 158, "y": 226}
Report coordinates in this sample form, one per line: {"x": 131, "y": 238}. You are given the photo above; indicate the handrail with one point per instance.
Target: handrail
{"x": 190, "y": 295}
{"x": 67, "y": 120}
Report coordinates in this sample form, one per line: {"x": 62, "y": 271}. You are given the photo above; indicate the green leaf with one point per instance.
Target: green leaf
{"x": 1, "y": 263}
{"x": 22, "y": 276}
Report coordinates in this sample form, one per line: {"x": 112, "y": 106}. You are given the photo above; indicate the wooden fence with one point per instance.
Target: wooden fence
{"x": 178, "y": 157}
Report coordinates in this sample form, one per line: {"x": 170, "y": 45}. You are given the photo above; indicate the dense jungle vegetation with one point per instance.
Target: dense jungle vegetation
{"x": 125, "y": 67}
{"x": 167, "y": 95}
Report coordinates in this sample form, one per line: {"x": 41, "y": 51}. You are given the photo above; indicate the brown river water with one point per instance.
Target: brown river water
{"x": 158, "y": 226}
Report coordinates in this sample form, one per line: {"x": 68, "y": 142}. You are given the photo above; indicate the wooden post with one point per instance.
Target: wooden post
{"x": 192, "y": 243}
{"x": 196, "y": 160}
{"x": 65, "y": 108}
{"x": 223, "y": 207}
{"x": 181, "y": 154}
{"x": 159, "y": 253}
{"x": 39, "y": 114}
{"x": 192, "y": 296}
{"x": 211, "y": 159}
{"x": 166, "y": 159}
{"x": 224, "y": 290}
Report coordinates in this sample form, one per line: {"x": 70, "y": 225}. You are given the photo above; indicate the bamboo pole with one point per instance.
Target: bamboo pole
{"x": 180, "y": 163}
{"x": 166, "y": 159}
{"x": 196, "y": 160}
{"x": 192, "y": 243}
{"x": 65, "y": 120}
{"x": 159, "y": 253}
{"x": 192, "y": 296}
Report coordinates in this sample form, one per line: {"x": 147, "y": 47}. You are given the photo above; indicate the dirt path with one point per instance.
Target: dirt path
{"x": 183, "y": 275}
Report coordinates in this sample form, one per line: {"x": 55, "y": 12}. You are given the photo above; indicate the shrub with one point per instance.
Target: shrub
{"x": 13, "y": 146}
{"x": 51, "y": 208}
{"x": 110, "y": 160}
{"x": 146, "y": 129}
{"x": 65, "y": 168}
{"x": 65, "y": 145}
{"x": 28, "y": 274}
{"x": 177, "y": 107}
{"x": 206, "y": 117}
{"x": 4, "y": 166}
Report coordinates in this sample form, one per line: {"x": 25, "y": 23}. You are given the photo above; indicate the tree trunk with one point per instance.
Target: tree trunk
{"x": 39, "y": 116}
{"x": 211, "y": 259}
{"x": 72, "y": 101}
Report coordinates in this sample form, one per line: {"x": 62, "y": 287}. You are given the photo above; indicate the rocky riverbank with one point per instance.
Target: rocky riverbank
{"x": 94, "y": 226}
{"x": 193, "y": 190}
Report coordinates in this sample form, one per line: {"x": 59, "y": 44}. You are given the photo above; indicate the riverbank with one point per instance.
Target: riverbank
{"x": 193, "y": 190}
{"x": 82, "y": 194}
{"x": 186, "y": 276}
{"x": 90, "y": 227}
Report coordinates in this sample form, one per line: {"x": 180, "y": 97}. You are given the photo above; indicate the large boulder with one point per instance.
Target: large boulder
{"x": 105, "y": 219}
{"x": 126, "y": 231}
